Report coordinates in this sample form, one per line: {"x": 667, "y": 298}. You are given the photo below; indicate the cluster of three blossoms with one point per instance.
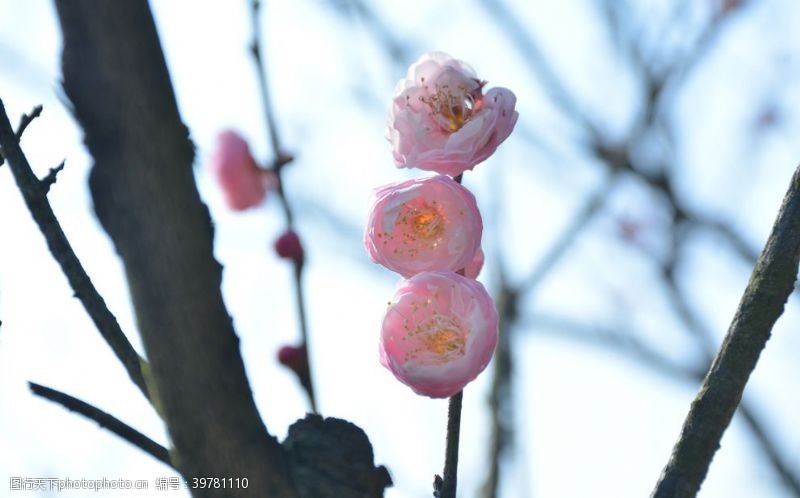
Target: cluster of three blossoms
{"x": 440, "y": 329}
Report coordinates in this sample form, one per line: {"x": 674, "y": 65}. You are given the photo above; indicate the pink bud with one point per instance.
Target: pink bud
{"x": 288, "y": 246}
{"x": 440, "y": 119}
{"x": 473, "y": 269}
{"x": 243, "y": 183}
{"x": 295, "y": 358}
{"x": 423, "y": 225}
{"x": 439, "y": 332}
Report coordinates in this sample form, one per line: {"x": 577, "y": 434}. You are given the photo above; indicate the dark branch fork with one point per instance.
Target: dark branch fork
{"x": 34, "y": 192}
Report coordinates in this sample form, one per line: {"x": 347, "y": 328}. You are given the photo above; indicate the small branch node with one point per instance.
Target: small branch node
{"x": 50, "y": 179}
{"x": 27, "y": 119}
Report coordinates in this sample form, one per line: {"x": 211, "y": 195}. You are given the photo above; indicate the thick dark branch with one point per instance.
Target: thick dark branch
{"x": 145, "y": 196}
{"x": 763, "y": 302}
{"x": 104, "y": 420}
{"x": 35, "y": 196}
{"x": 704, "y": 339}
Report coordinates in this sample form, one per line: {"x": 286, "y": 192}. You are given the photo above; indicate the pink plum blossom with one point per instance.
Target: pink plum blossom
{"x": 423, "y": 225}
{"x": 243, "y": 183}
{"x": 473, "y": 269}
{"x": 441, "y": 120}
{"x": 439, "y": 332}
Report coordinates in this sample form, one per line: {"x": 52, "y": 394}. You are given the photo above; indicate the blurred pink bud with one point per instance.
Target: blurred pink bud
{"x": 295, "y": 358}
{"x": 768, "y": 117}
{"x": 473, "y": 269}
{"x": 440, "y": 119}
{"x": 423, "y": 225}
{"x": 439, "y": 332}
{"x": 243, "y": 182}
{"x": 629, "y": 229}
{"x": 288, "y": 246}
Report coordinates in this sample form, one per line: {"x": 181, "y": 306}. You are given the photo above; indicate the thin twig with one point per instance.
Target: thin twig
{"x": 381, "y": 30}
{"x": 24, "y": 121}
{"x": 529, "y": 48}
{"x": 579, "y": 222}
{"x": 50, "y": 179}
{"x": 620, "y": 340}
{"x": 763, "y": 302}
{"x": 35, "y": 198}
{"x": 27, "y": 119}
{"x": 501, "y": 403}
{"x": 445, "y": 487}
{"x": 281, "y": 159}
{"x": 104, "y": 420}
{"x": 255, "y": 47}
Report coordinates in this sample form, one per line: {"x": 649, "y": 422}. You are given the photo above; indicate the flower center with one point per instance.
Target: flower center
{"x": 441, "y": 339}
{"x": 428, "y": 224}
{"x": 423, "y": 223}
{"x": 444, "y": 341}
{"x": 451, "y": 110}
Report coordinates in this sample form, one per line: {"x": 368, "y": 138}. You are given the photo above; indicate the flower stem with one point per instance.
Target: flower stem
{"x": 281, "y": 159}
{"x": 446, "y": 487}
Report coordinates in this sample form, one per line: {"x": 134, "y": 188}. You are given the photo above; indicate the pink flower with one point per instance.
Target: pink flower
{"x": 439, "y": 333}
{"x": 440, "y": 119}
{"x": 473, "y": 269}
{"x": 244, "y": 184}
{"x": 423, "y": 225}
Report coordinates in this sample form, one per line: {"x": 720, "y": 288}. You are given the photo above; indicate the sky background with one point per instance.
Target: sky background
{"x": 590, "y": 422}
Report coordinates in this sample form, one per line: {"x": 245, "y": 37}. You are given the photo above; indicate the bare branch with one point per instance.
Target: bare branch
{"x": 50, "y": 179}
{"x": 27, "y": 119}
{"x": 501, "y": 403}
{"x": 24, "y": 121}
{"x": 146, "y": 198}
{"x": 104, "y": 420}
{"x": 538, "y": 62}
{"x": 623, "y": 341}
{"x": 35, "y": 198}
{"x": 763, "y": 302}
{"x": 281, "y": 159}
{"x": 576, "y": 226}
{"x": 705, "y": 341}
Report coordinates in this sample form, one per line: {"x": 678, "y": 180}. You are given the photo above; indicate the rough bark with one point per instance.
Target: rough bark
{"x": 146, "y": 199}
{"x": 770, "y": 285}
